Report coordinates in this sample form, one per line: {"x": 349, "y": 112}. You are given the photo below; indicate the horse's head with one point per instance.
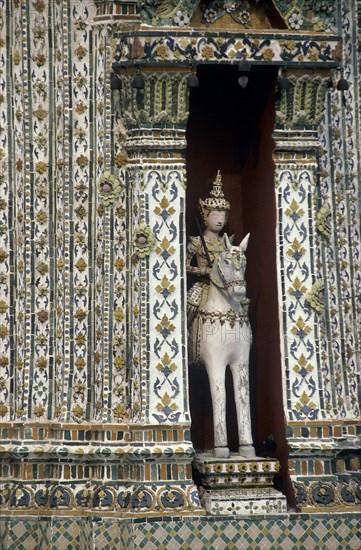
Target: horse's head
{"x": 230, "y": 267}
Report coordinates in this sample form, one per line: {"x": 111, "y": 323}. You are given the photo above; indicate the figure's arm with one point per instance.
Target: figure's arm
{"x": 193, "y": 248}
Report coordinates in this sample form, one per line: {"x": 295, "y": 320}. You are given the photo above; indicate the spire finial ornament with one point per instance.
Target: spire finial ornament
{"x": 216, "y": 200}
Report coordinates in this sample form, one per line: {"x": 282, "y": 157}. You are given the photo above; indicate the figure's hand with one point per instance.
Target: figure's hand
{"x": 204, "y": 271}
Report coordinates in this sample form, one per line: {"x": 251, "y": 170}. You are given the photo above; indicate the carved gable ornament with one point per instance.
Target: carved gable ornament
{"x": 312, "y": 15}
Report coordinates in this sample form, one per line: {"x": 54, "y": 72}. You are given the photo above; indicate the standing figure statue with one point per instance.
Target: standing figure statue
{"x": 217, "y": 315}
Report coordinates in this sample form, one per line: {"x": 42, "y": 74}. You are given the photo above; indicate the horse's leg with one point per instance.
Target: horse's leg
{"x": 240, "y": 375}
{"x": 216, "y": 376}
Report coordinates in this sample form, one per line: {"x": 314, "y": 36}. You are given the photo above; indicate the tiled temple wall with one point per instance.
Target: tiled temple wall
{"x": 73, "y": 352}
{"x": 64, "y": 329}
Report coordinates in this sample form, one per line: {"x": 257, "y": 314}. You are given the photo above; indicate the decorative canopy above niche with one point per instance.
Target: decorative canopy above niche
{"x": 299, "y": 15}
{"x": 188, "y": 32}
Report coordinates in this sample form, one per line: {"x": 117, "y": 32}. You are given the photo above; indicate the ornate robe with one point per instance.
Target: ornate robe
{"x": 198, "y": 293}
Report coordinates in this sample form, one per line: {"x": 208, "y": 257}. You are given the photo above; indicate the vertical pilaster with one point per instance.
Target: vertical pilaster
{"x": 63, "y": 172}
{"x": 41, "y": 153}
{"x": 6, "y": 234}
{"x": 145, "y": 204}
{"x": 155, "y": 117}
{"x": 315, "y": 382}
{"x": 32, "y": 208}
{"x": 296, "y": 177}
{"x": 73, "y": 369}
{"x": 120, "y": 403}
{"x": 80, "y": 186}
{"x": 103, "y": 264}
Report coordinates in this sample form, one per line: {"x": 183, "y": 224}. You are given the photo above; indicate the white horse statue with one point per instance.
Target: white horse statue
{"x": 224, "y": 338}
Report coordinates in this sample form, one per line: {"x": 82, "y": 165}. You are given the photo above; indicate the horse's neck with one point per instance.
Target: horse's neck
{"x": 219, "y": 301}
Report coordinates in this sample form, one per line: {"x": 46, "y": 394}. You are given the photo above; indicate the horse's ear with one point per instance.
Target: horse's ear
{"x": 244, "y": 243}
{"x": 227, "y": 242}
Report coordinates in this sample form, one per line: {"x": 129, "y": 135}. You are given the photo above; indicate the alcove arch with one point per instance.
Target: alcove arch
{"x": 230, "y": 129}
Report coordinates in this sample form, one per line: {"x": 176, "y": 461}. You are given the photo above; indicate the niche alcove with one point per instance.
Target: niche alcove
{"x": 230, "y": 129}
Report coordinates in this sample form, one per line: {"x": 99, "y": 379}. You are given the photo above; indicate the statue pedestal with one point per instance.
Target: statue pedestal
{"x": 238, "y": 486}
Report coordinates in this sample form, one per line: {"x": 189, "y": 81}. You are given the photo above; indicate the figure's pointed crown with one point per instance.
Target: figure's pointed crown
{"x": 216, "y": 200}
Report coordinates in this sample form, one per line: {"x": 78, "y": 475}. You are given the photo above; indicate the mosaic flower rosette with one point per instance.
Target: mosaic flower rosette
{"x": 144, "y": 241}
{"x": 108, "y": 188}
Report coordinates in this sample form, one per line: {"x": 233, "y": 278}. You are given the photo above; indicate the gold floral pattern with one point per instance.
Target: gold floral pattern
{"x": 41, "y": 167}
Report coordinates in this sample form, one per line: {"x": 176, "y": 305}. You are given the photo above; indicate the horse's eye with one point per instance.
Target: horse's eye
{"x": 226, "y": 261}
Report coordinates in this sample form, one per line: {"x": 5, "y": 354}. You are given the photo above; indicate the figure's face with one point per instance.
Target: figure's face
{"x": 216, "y": 220}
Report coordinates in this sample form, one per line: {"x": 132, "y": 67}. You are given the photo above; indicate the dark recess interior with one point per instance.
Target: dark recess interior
{"x": 230, "y": 129}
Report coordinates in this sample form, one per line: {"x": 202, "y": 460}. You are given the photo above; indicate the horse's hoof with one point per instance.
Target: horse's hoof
{"x": 247, "y": 451}
{"x": 221, "y": 452}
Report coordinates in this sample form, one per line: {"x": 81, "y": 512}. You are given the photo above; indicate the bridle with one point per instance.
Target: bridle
{"x": 226, "y": 285}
